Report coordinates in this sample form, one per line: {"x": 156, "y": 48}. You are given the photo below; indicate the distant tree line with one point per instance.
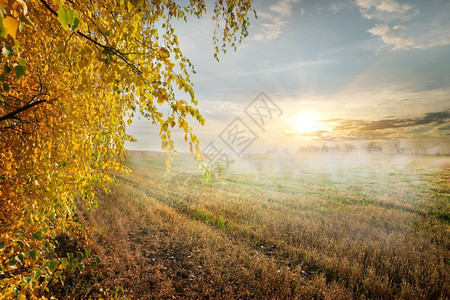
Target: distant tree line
{"x": 370, "y": 147}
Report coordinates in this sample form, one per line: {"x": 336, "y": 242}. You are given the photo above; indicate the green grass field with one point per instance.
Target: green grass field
{"x": 305, "y": 226}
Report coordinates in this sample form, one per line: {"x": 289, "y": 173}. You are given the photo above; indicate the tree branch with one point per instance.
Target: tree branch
{"x": 107, "y": 48}
{"x": 13, "y": 114}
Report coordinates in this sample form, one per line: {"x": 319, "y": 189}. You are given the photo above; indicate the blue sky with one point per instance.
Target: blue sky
{"x": 351, "y": 70}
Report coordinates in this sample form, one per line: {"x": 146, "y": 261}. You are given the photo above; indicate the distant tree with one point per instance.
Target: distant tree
{"x": 308, "y": 149}
{"x": 398, "y": 149}
{"x": 325, "y": 148}
{"x": 374, "y": 147}
{"x": 423, "y": 150}
{"x": 436, "y": 149}
{"x": 336, "y": 149}
{"x": 349, "y": 148}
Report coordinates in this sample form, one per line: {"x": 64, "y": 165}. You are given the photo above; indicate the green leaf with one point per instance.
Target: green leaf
{"x": 38, "y": 235}
{"x": 81, "y": 267}
{"x": 2, "y": 245}
{"x": 120, "y": 291}
{"x": 12, "y": 264}
{"x": 75, "y": 24}
{"x": 5, "y": 87}
{"x": 20, "y": 243}
{"x": 7, "y": 51}
{"x": 63, "y": 17}
{"x": 63, "y": 262}
{"x": 33, "y": 254}
{"x": 36, "y": 274}
{"x": 52, "y": 265}
{"x": 17, "y": 45}
{"x": 87, "y": 251}
{"x": 3, "y": 12}
{"x": 70, "y": 16}
{"x": 6, "y": 68}
{"x": 26, "y": 21}
{"x": 3, "y": 29}
{"x": 20, "y": 70}
{"x": 20, "y": 258}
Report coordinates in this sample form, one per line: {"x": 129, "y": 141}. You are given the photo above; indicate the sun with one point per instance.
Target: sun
{"x": 305, "y": 123}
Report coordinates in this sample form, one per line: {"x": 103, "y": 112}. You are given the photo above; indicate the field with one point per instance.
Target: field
{"x": 300, "y": 226}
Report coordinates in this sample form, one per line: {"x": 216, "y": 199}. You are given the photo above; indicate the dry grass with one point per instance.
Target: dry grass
{"x": 271, "y": 229}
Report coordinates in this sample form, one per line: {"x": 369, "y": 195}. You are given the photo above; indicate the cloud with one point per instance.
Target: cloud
{"x": 388, "y": 126}
{"x": 275, "y": 19}
{"x": 283, "y": 8}
{"x": 397, "y": 38}
{"x": 386, "y": 10}
{"x": 271, "y": 31}
{"x": 432, "y": 125}
{"x": 393, "y": 37}
{"x": 422, "y": 34}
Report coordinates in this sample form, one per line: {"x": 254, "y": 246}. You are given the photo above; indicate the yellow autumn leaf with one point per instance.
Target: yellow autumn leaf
{"x": 85, "y": 83}
{"x": 164, "y": 53}
{"x": 11, "y": 26}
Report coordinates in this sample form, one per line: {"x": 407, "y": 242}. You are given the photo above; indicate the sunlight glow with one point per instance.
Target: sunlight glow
{"x": 305, "y": 123}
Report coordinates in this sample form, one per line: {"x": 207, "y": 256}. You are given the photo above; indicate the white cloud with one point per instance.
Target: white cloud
{"x": 283, "y": 8}
{"x": 393, "y": 37}
{"x": 397, "y": 38}
{"x": 405, "y": 35}
{"x": 379, "y": 29}
{"x": 275, "y": 19}
{"x": 386, "y": 10}
{"x": 441, "y": 41}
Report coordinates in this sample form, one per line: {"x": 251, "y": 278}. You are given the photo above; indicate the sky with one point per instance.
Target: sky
{"x": 334, "y": 72}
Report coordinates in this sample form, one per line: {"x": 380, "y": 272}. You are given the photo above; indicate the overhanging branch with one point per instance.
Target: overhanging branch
{"x": 13, "y": 114}
{"x": 112, "y": 50}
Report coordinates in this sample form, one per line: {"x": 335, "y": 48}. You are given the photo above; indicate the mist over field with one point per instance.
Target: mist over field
{"x": 321, "y": 225}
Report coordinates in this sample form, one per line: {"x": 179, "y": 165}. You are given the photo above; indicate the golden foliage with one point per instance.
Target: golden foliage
{"x": 74, "y": 73}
